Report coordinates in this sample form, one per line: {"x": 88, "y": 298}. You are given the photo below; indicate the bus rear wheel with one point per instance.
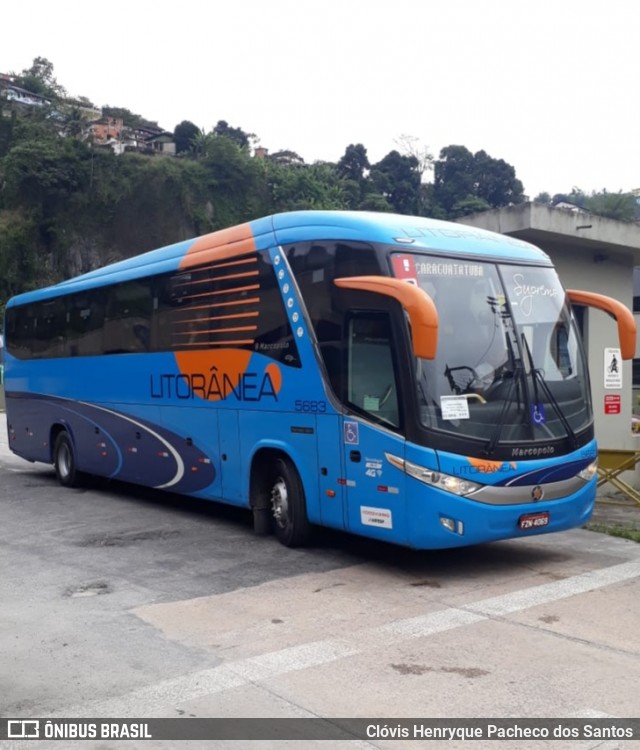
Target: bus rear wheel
{"x": 64, "y": 461}
{"x": 288, "y": 506}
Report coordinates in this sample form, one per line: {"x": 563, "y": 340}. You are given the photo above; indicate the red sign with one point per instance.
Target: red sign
{"x": 404, "y": 267}
{"x": 612, "y": 404}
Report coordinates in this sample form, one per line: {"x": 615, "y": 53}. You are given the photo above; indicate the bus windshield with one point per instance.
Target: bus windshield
{"x": 509, "y": 366}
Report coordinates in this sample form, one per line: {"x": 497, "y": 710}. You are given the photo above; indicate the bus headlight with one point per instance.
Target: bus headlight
{"x": 447, "y": 482}
{"x": 589, "y": 472}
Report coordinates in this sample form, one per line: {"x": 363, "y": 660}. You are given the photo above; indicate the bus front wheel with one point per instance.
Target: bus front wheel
{"x": 64, "y": 461}
{"x": 288, "y": 506}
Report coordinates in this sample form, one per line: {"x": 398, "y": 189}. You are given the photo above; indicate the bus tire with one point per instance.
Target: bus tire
{"x": 64, "y": 461}
{"x": 288, "y": 505}
{"x": 261, "y": 521}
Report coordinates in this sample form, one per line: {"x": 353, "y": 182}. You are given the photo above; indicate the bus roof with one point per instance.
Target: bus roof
{"x": 416, "y": 232}
{"x": 408, "y": 233}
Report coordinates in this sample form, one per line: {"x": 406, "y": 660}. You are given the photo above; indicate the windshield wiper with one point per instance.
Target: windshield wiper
{"x": 515, "y": 374}
{"x": 538, "y": 378}
{"x": 493, "y": 440}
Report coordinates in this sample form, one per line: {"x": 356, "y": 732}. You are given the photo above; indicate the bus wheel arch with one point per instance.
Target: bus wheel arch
{"x": 64, "y": 458}
{"x": 278, "y": 498}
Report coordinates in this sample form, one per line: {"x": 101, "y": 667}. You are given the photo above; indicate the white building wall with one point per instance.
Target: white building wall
{"x": 613, "y": 277}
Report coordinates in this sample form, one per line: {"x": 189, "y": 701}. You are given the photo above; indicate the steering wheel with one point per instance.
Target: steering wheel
{"x": 455, "y": 387}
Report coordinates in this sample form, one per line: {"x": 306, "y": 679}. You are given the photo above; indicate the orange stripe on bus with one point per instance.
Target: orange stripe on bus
{"x": 222, "y": 245}
{"x": 231, "y": 264}
{"x": 249, "y": 288}
{"x": 215, "y": 330}
{"x": 223, "y": 364}
{"x": 217, "y": 317}
{"x": 208, "y": 280}
{"x": 485, "y": 466}
{"x": 250, "y": 301}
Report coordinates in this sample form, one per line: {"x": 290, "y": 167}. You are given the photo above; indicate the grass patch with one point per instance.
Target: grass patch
{"x": 625, "y": 532}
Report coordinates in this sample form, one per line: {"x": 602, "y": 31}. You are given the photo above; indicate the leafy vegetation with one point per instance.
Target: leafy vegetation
{"x": 67, "y": 207}
{"x": 466, "y": 182}
{"x": 619, "y": 206}
{"x": 624, "y": 532}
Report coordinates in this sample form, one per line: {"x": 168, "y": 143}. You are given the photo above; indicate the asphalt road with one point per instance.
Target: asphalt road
{"x": 118, "y": 603}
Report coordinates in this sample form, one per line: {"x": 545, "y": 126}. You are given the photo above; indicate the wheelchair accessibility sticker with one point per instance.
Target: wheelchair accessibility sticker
{"x": 351, "y": 433}
{"x": 537, "y": 414}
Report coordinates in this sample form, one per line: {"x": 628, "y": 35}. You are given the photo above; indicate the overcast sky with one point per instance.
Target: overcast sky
{"x": 551, "y": 87}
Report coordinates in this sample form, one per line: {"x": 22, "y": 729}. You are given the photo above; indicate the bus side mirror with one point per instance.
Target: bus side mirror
{"x": 417, "y": 303}
{"x": 622, "y": 314}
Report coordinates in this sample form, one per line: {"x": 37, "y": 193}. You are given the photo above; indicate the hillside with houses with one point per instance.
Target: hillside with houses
{"x": 84, "y": 185}
{"x": 87, "y": 122}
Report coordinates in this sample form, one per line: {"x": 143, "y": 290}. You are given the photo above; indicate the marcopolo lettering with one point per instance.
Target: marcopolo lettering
{"x": 213, "y": 386}
{"x": 545, "y": 450}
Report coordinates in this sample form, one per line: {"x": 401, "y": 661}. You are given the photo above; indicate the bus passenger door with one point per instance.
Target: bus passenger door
{"x": 375, "y": 497}
{"x": 330, "y": 471}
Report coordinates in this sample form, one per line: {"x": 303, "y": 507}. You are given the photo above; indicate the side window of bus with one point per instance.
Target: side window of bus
{"x": 37, "y": 331}
{"x": 49, "y": 328}
{"x": 230, "y": 304}
{"x": 315, "y": 265}
{"x": 85, "y": 319}
{"x": 18, "y": 330}
{"x": 128, "y": 318}
{"x": 273, "y": 337}
{"x": 371, "y": 380}
{"x": 559, "y": 349}
{"x": 175, "y": 324}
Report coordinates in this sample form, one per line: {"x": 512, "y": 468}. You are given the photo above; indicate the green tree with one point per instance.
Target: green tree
{"x": 411, "y": 146}
{"x": 20, "y": 269}
{"x": 74, "y": 122}
{"x": 460, "y": 177}
{"x": 233, "y": 180}
{"x": 543, "y": 198}
{"x": 184, "y": 135}
{"x": 47, "y": 181}
{"x": 471, "y": 204}
{"x": 44, "y": 174}
{"x": 620, "y": 206}
{"x": 353, "y": 169}
{"x": 129, "y": 118}
{"x": 286, "y": 157}
{"x": 428, "y": 205}
{"x": 237, "y": 135}
{"x": 35, "y": 127}
{"x": 145, "y": 202}
{"x": 397, "y": 178}
{"x": 7, "y": 125}
{"x": 298, "y": 187}
{"x": 39, "y": 79}
{"x": 375, "y": 202}
{"x": 354, "y": 163}
{"x": 495, "y": 181}
{"x": 453, "y": 176}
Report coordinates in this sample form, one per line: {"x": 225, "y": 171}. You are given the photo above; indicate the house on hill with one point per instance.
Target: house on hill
{"x": 16, "y": 95}
{"x": 111, "y": 132}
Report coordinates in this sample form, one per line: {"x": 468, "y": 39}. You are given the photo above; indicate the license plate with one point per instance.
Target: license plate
{"x": 533, "y": 521}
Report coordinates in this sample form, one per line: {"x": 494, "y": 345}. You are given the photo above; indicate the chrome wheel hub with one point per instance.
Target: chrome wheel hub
{"x": 64, "y": 461}
{"x": 280, "y": 502}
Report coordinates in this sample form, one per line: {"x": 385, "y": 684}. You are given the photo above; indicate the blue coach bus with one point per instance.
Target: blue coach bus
{"x": 396, "y": 377}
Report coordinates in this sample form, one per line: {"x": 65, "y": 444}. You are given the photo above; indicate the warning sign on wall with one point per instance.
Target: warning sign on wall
{"x": 612, "y": 404}
{"x": 612, "y": 368}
